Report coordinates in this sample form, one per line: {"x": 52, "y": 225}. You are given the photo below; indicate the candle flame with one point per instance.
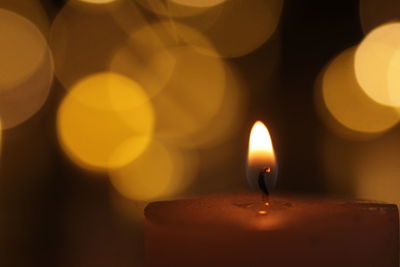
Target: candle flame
{"x": 260, "y": 145}
{"x": 261, "y": 156}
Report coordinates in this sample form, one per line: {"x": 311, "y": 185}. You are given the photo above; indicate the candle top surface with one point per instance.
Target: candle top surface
{"x": 249, "y": 211}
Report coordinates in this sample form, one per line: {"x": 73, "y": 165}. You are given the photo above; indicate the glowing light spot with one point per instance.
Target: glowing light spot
{"x": 173, "y": 9}
{"x": 145, "y": 58}
{"x": 189, "y": 100}
{"x": 394, "y": 79}
{"x": 158, "y": 172}
{"x": 98, "y": 1}
{"x": 31, "y": 10}
{"x": 372, "y": 60}
{"x": 240, "y": 27}
{"x": 86, "y": 49}
{"x": 347, "y": 102}
{"x": 105, "y": 121}
{"x": 227, "y": 122}
{"x": 262, "y": 212}
{"x": 199, "y": 3}
{"x": 26, "y": 69}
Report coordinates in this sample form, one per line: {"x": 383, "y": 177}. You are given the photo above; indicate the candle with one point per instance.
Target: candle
{"x": 250, "y": 229}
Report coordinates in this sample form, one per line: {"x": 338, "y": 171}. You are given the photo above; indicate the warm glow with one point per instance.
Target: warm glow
{"x": 261, "y": 155}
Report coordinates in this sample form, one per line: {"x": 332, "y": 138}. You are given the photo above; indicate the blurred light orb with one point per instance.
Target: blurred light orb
{"x": 239, "y": 28}
{"x": 156, "y": 173}
{"x": 22, "y": 49}
{"x": 31, "y": 10}
{"x": 82, "y": 40}
{"x": 98, "y": 1}
{"x": 171, "y": 8}
{"x": 373, "y": 59}
{"x": 145, "y": 57}
{"x": 199, "y": 3}
{"x": 393, "y": 77}
{"x": 193, "y": 96}
{"x": 374, "y": 13}
{"x": 227, "y": 122}
{"x": 348, "y": 103}
{"x": 26, "y": 69}
{"x": 105, "y": 121}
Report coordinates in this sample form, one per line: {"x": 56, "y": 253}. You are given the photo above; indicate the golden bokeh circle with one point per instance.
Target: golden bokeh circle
{"x": 26, "y": 69}
{"x": 158, "y": 173}
{"x": 105, "y": 121}
{"x": 372, "y": 61}
{"x": 348, "y": 103}
{"x": 146, "y": 58}
{"x": 82, "y": 40}
{"x": 235, "y": 28}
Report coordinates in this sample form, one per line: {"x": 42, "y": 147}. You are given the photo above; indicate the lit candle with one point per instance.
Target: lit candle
{"x": 261, "y": 162}
{"x": 246, "y": 230}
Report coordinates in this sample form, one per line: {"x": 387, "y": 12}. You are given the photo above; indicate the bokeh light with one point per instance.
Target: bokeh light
{"x": 145, "y": 57}
{"x": 173, "y": 9}
{"x": 373, "y": 58}
{"x": 393, "y": 79}
{"x": 98, "y": 1}
{"x": 347, "y": 102}
{"x": 374, "y": 13}
{"x": 239, "y": 28}
{"x": 193, "y": 95}
{"x": 199, "y": 3}
{"x": 79, "y": 47}
{"x": 158, "y": 172}
{"x": 31, "y": 10}
{"x": 26, "y": 67}
{"x": 227, "y": 122}
{"x": 105, "y": 121}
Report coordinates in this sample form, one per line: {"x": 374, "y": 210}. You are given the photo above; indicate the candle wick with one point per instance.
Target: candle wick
{"x": 261, "y": 180}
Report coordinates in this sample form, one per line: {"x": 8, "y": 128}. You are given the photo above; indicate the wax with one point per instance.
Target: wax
{"x": 240, "y": 230}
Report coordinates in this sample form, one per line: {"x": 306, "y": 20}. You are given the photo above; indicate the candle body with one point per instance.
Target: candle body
{"x": 229, "y": 230}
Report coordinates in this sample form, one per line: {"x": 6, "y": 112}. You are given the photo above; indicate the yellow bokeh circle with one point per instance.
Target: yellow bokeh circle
{"x": 159, "y": 172}
{"x": 199, "y": 3}
{"x": 26, "y": 69}
{"x": 348, "y": 103}
{"x": 373, "y": 59}
{"x": 105, "y": 121}
{"x": 235, "y": 28}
